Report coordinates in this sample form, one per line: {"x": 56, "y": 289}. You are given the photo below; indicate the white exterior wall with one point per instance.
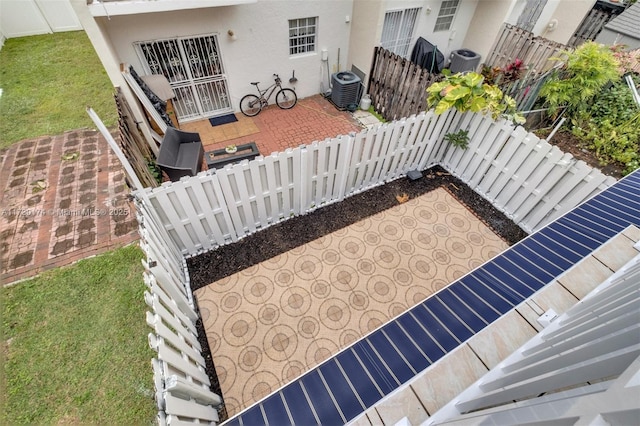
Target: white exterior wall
{"x": 568, "y": 14}
{"x": 369, "y": 19}
{"x": 262, "y": 45}
{"x": 486, "y": 24}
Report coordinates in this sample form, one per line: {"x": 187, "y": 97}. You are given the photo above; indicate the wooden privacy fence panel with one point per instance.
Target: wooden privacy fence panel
{"x": 590, "y": 27}
{"x": 525, "y": 177}
{"x": 515, "y": 43}
{"x": 133, "y": 143}
{"x": 397, "y": 86}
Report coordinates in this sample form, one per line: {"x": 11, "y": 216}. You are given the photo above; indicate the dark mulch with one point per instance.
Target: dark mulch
{"x": 212, "y": 266}
{"x": 227, "y": 260}
{"x": 567, "y": 142}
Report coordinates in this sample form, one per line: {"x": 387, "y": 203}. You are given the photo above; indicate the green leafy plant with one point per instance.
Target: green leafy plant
{"x": 587, "y": 70}
{"x": 468, "y": 92}
{"x": 611, "y": 126}
{"x": 155, "y": 170}
{"x": 459, "y": 139}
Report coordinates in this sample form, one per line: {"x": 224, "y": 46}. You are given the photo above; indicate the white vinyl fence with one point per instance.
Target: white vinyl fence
{"x": 182, "y": 385}
{"x": 525, "y": 177}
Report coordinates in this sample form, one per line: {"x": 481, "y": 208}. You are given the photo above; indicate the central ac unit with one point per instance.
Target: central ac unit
{"x": 345, "y": 89}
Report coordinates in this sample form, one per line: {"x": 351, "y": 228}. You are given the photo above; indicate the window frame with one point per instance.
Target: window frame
{"x": 446, "y": 15}
{"x": 304, "y": 41}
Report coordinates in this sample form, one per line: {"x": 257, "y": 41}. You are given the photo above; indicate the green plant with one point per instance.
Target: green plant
{"x": 587, "y": 70}
{"x": 468, "y": 92}
{"x": 611, "y": 126}
{"x": 155, "y": 170}
{"x": 459, "y": 139}
{"x": 373, "y": 112}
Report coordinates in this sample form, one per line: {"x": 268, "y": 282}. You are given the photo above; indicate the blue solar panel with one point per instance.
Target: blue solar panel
{"x": 415, "y": 356}
{"x": 343, "y": 394}
{"x": 465, "y": 313}
{"x": 253, "y": 417}
{"x": 358, "y": 377}
{"x": 422, "y": 338}
{"x": 276, "y": 411}
{"x": 480, "y": 307}
{"x": 297, "y": 403}
{"x": 445, "y": 339}
{"x": 375, "y": 366}
{"x": 367, "y": 389}
{"x": 325, "y": 408}
{"x": 390, "y": 357}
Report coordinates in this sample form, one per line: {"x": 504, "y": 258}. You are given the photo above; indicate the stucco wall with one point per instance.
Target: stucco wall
{"x": 261, "y": 47}
{"x": 569, "y": 14}
{"x": 486, "y": 23}
{"x": 366, "y": 30}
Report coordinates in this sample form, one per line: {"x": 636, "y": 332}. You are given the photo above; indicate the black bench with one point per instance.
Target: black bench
{"x": 181, "y": 154}
{"x": 220, "y": 157}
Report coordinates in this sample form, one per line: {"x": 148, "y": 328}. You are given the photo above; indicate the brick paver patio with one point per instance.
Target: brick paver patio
{"x": 64, "y": 197}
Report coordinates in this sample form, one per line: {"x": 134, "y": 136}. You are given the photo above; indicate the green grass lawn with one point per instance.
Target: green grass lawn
{"x": 77, "y": 350}
{"x": 47, "y": 82}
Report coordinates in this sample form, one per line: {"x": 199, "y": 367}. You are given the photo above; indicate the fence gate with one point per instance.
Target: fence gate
{"x": 529, "y": 16}
{"x": 194, "y": 68}
{"x": 591, "y": 26}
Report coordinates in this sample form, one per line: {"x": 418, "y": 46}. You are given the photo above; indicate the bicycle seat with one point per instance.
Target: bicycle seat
{"x": 255, "y": 83}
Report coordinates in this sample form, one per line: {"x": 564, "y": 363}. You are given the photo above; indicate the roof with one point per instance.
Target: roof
{"x": 627, "y": 22}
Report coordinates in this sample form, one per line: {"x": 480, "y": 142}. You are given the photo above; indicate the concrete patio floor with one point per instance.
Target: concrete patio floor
{"x": 270, "y": 323}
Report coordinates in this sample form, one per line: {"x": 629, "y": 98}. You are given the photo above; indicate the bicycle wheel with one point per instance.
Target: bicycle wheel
{"x": 250, "y": 105}
{"x": 286, "y": 98}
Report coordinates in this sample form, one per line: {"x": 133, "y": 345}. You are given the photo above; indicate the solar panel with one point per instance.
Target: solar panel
{"x": 353, "y": 380}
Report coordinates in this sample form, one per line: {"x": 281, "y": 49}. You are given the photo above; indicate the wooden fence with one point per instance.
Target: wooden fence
{"x": 590, "y": 27}
{"x": 397, "y": 86}
{"x": 133, "y": 143}
{"x": 515, "y": 43}
{"x": 528, "y": 179}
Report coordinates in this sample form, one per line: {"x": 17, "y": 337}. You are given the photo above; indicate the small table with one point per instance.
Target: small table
{"x": 219, "y": 158}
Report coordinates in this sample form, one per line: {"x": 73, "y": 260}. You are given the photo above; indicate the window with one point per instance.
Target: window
{"x": 397, "y": 30}
{"x": 302, "y": 35}
{"x": 445, "y": 16}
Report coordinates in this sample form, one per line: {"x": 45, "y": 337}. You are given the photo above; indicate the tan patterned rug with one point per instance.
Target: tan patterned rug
{"x": 272, "y": 322}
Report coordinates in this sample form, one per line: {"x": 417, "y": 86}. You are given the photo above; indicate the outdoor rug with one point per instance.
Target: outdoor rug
{"x": 223, "y": 119}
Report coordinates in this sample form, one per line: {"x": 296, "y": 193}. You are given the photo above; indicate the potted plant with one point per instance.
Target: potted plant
{"x": 231, "y": 149}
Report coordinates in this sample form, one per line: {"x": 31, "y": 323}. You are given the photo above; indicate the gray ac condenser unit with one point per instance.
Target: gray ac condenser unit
{"x": 345, "y": 88}
{"x": 463, "y": 60}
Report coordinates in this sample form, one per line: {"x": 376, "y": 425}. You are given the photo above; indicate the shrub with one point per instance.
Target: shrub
{"x": 588, "y": 69}
{"x": 468, "y": 92}
{"x": 611, "y": 126}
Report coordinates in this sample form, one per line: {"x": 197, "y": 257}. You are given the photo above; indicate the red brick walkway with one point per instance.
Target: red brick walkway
{"x": 274, "y": 129}
{"x": 64, "y": 197}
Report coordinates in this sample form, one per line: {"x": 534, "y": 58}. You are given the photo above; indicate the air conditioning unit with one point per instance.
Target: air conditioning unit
{"x": 463, "y": 60}
{"x": 345, "y": 88}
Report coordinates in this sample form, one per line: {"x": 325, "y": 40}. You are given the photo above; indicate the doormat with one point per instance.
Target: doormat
{"x": 223, "y": 119}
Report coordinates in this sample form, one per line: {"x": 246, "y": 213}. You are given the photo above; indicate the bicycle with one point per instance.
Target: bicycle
{"x": 251, "y": 105}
